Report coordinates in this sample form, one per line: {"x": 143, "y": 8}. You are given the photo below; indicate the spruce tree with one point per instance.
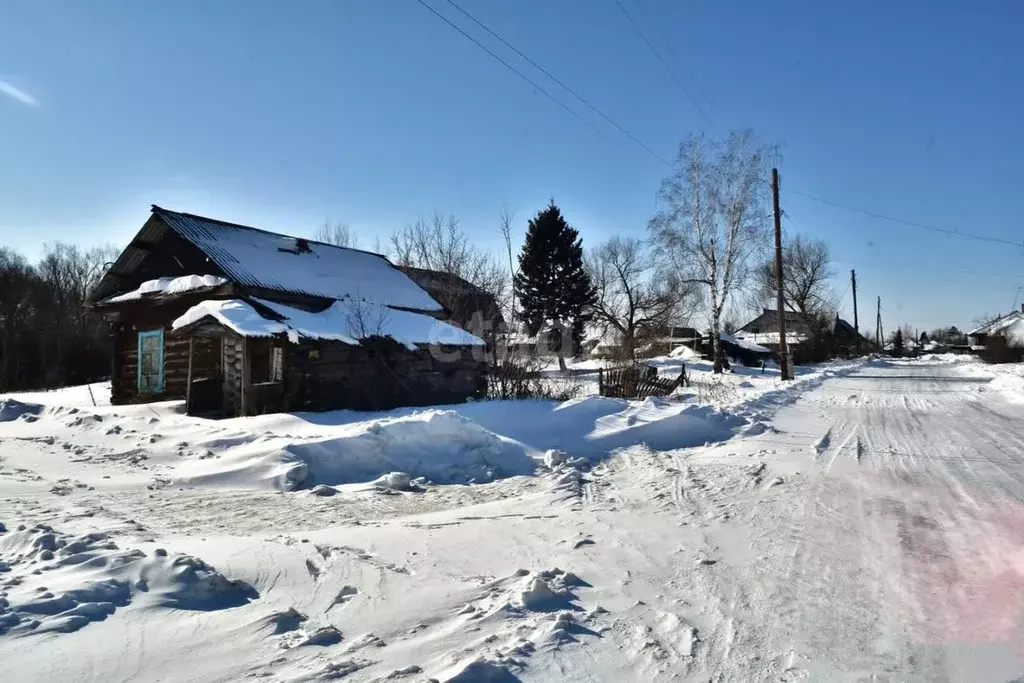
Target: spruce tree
{"x": 552, "y": 286}
{"x": 897, "y": 343}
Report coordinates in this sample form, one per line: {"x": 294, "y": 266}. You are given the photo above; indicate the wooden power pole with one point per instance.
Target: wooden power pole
{"x": 856, "y": 324}
{"x": 784, "y": 368}
{"x": 878, "y": 326}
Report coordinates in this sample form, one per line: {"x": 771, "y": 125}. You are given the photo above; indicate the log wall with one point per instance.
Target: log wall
{"x": 124, "y": 376}
{"x": 378, "y": 375}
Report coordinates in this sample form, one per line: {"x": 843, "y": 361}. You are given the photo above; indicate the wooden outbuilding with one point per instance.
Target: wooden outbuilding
{"x": 240, "y": 321}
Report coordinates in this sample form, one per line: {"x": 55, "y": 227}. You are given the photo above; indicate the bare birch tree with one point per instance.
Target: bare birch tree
{"x": 713, "y": 217}
{"x": 634, "y": 296}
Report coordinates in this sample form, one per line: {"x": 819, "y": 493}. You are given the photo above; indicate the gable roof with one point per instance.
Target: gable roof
{"x": 796, "y": 324}
{"x": 999, "y": 324}
{"x": 461, "y": 297}
{"x": 256, "y": 258}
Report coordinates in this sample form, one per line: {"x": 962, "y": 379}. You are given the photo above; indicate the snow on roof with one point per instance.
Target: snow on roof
{"x": 258, "y": 258}
{"x": 745, "y": 344}
{"x": 771, "y": 337}
{"x": 168, "y": 285}
{"x": 234, "y": 314}
{"x": 999, "y": 324}
{"x": 344, "y": 321}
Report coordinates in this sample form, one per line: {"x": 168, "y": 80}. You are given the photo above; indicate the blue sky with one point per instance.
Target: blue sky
{"x": 374, "y": 112}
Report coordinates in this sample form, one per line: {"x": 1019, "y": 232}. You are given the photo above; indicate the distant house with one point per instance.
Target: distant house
{"x": 804, "y": 342}
{"x": 242, "y": 321}
{"x": 1000, "y": 341}
{"x": 743, "y": 350}
{"x": 676, "y": 336}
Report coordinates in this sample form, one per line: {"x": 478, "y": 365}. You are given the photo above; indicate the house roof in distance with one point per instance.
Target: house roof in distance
{"x": 256, "y": 258}
{"x": 999, "y": 324}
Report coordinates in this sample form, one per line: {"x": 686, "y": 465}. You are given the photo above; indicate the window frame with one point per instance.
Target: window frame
{"x": 142, "y": 336}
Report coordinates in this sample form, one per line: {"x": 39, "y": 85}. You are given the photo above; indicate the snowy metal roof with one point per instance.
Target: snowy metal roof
{"x": 168, "y": 285}
{"x": 253, "y": 257}
{"x": 999, "y": 324}
{"x": 344, "y": 321}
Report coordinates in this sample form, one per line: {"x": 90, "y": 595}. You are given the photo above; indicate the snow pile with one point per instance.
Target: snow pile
{"x": 659, "y": 423}
{"x": 527, "y": 612}
{"x": 684, "y": 353}
{"x": 1008, "y": 379}
{"x": 345, "y": 321}
{"x": 53, "y": 582}
{"x": 169, "y": 285}
{"x": 440, "y": 445}
{"x": 395, "y": 481}
{"x": 11, "y": 410}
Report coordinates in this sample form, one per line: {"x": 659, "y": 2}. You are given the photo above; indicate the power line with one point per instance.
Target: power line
{"x": 508, "y": 66}
{"x": 915, "y": 224}
{"x": 558, "y": 81}
{"x": 664, "y": 63}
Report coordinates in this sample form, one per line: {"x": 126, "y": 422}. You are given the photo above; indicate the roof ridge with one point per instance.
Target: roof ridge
{"x": 155, "y": 208}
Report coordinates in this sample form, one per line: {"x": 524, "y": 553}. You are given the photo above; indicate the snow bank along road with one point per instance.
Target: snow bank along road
{"x": 864, "y": 525}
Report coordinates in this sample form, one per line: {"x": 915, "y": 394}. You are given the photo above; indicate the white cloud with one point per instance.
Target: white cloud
{"x": 18, "y": 94}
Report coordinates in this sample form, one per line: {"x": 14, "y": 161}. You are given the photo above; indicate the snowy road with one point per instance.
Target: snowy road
{"x": 898, "y": 552}
{"x": 863, "y": 524}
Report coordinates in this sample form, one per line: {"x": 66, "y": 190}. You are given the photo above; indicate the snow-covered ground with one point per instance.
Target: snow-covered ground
{"x": 859, "y": 523}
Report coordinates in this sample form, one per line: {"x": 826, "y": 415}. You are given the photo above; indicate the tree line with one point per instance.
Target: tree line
{"x": 48, "y": 336}
{"x": 707, "y": 250}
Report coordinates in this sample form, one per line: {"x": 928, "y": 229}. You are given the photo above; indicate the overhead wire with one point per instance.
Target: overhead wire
{"x": 558, "y": 81}
{"x": 664, "y": 63}
{"x": 544, "y": 71}
{"x": 882, "y": 216}
{"x": 640, "y": 143}
{"x": 508, "y": 66}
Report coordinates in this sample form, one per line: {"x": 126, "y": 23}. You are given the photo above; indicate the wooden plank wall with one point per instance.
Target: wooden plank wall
{"x": 232, "y": 374}
{"x": 376, "y": 376}
{"x": 124, "y": 380}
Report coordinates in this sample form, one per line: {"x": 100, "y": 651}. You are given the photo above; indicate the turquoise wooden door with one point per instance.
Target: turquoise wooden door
{"x": 151, "y": 362}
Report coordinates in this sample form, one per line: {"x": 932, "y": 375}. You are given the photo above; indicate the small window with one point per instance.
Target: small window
{"x": 266, "y": 361}
{"x": 151, "y": 362}
{"x": 276, "y": 364}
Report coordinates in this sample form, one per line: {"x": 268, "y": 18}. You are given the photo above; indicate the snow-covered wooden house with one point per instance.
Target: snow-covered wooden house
{"x": 241, "y": 321}
{"x": 808, "y": 340}
{"x": 1001, "y": 340}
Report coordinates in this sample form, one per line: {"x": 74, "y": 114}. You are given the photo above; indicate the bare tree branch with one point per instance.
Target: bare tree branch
{"x": 338, "y": 234}
{"x": 634, "y": 297}
{"x": 712, "y": 220}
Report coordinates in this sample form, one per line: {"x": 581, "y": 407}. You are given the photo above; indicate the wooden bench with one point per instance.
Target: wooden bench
{"x": 637, "y": 381}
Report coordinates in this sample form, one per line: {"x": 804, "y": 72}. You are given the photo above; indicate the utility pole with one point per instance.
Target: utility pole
{"x": 878, "y": 326}
{"x": 856, "y": 325}
{"x": 784, "y": 368}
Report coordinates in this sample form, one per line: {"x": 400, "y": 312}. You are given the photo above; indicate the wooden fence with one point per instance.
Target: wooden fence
{"x": 637, "y": 382}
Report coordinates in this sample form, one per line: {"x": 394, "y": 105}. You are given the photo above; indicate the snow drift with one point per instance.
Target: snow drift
{"x": 439, "y": 445}
{"x": 54, "y": 582}
{"x": 11, "y": 410}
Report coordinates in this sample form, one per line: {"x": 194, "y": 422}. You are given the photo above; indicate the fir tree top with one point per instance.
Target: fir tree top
{"x": 552, "y": 285}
